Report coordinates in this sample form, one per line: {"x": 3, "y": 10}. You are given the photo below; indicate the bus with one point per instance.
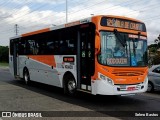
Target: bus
{"x": 100, "y": 55}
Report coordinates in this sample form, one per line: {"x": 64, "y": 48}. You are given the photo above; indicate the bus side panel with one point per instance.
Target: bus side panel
{"x": 11, "y": 65}
{"x": 39, "y": 71}
{"x": 45, "y": 73}
{"x": 63, "y": 65}
{"x": 22, "y": 60}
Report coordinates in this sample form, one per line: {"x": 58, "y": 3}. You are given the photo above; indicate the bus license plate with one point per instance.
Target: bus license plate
{"x": 130, "y": 88}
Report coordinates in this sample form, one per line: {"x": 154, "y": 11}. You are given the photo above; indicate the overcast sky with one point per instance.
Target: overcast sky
{"x": 36, "y": 14}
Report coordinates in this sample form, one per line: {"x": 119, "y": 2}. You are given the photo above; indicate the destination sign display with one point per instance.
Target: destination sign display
{"x": 121, "y": 23}
{"x": 68, "y": 59}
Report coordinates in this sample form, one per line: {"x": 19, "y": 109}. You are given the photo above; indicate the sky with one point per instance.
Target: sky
{"x": 32, "y": 15}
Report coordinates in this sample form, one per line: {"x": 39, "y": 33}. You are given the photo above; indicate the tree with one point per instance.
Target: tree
{"x": 152, "y": 49}
{"x": 156, "y": 60}
{"x": 4, "y": 50}
{"x": 157, "y": 41}
{"x": 154, "y": 54}
{"x": 152, "y": 46}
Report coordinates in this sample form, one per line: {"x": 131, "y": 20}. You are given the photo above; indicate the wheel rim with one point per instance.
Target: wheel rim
{"x": 26, "y": 77}
{"x": 149, "y": 87}
{"x": 71, "y": 86}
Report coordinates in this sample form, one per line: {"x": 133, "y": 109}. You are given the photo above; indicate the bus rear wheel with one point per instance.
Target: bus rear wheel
{"x": 26, "y": 77}
{"x": 70, "y": 85}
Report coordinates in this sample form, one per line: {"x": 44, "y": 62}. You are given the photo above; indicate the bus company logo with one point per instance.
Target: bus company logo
{"x": 6, "y": 114}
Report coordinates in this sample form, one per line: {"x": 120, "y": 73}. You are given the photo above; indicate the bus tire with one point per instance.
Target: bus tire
{"x": 69, "y": 85}
{"x": 26, "y": 76}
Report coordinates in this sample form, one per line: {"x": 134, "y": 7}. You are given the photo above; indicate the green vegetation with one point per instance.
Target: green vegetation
{"x": 4, "y": 58}
{"x": 4, "y": 64}
{"x": 154, "y": 52}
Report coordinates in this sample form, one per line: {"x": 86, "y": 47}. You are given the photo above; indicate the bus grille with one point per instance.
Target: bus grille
{"x": 127, "y": 73}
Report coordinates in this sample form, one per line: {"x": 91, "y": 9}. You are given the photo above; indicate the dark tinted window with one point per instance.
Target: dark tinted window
{"x": 11, "y": 47}
{"x": 57, "y": 42}
{"x": 12, "y": 42}
{"x": 157, "y": 70}
{"x": 21, "y": 47}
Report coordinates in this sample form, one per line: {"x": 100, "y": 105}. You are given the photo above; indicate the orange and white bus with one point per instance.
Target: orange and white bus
{"x": 104, "y": 55}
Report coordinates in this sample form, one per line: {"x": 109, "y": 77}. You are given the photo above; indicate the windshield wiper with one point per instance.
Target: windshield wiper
{"x": 118, "y": 36}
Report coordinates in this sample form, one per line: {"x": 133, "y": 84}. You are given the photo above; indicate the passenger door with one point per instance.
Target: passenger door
{"x": 15, "y": 58}
{"x": 86, "y": 56}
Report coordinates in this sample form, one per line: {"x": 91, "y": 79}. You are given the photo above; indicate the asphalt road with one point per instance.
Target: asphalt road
{"x": 16, "y": 96}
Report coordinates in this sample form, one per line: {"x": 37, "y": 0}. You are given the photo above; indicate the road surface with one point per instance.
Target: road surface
{"x": 16, "y": 96}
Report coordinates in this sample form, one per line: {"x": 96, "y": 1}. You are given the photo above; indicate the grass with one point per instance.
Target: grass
{"x": 4, "y": 64}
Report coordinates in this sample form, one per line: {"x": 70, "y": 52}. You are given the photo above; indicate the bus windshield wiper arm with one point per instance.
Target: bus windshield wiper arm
{"x": 118, "y": 36}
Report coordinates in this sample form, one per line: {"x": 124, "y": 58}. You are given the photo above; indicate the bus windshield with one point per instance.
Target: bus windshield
{"x": 122, "y": 49}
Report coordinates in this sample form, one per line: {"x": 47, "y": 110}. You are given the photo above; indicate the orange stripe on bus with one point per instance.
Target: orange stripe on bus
{"x": 36, "y": 32}
{"x": 46, "y": 59}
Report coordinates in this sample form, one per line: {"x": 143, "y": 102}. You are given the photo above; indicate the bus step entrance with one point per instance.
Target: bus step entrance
{"x": 85, "y": 87}
{"x": 86, "y": 91}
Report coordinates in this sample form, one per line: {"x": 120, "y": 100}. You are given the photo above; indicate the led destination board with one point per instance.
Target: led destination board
{"x": 121, "y": 23}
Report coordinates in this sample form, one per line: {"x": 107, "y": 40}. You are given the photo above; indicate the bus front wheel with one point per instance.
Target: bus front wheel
{"x": 70, "y": 85}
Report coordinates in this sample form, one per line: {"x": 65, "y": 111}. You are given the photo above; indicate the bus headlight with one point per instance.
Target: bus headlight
{"x": 107, "y": 79}
{"x": 102, "y": 77}
{"x": 110, "y": 81}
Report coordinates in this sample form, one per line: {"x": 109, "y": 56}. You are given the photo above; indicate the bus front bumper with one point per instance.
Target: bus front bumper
{"x": 102, "y": 87}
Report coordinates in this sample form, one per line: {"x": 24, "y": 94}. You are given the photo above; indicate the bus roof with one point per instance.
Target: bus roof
{"x": 82, "y": 21}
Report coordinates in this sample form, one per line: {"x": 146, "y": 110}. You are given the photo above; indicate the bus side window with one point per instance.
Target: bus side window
{"x": 36, "y": 48}
{"x": 21, "y": 47}
{"x": 30, "y": 47}
{"x": 27, "y": 48}
{"x": 11, "y": 47}
{"x": 50, "y": 47}
{"x": 56, "y": 47}
{"x": 72, "y": 46}
{"x": 63, "y": 47}
{"x": 42, "y": 48}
